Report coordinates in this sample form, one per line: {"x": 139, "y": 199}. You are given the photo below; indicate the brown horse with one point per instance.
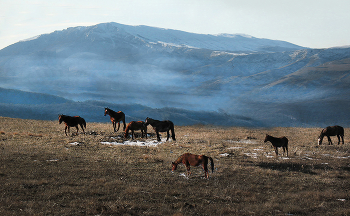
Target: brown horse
{"x": 72, "y": 121}
{"x": 194, "y": 160}
{"x": 332, "y": 131}
{"x": 136, "y": 125}
{"x": 115, "y": 117}
{"x": 162, "y": 126}
{"x": 278, "y": 142}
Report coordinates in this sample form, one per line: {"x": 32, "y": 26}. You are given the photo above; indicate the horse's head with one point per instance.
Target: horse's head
{"x": 174, "y": 166}
{"x": 320, "y": 138}
{"x": 147, "y": 121}
{"x": 60, "y": 118}
{"x": 266, "y": 138}
{"x": 106, "y": 111}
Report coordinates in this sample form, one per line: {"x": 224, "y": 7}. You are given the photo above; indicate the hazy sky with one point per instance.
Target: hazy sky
{"x": 310, "y": 23}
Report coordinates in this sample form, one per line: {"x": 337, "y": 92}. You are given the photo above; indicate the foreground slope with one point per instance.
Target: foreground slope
{"x": 44, "y": 172}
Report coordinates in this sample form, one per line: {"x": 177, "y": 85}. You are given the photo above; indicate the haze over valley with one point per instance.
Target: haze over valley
{"x": 168, "y": 74}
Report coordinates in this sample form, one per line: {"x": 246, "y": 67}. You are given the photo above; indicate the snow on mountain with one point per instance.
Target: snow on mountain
{"x": 219, "y": 42}
{"x": 236, "y": 75}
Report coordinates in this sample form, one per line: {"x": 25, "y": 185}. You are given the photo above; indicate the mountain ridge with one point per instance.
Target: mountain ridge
{"x": 143, "y": 65}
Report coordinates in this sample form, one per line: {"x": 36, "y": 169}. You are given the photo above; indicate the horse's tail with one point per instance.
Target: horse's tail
{"x": 211, "y": 164}
{"x": 172, "y": 131}
{"x": 286, "y": 141}
{"x": 84, "y": 122}
{"x": 123, "y": 119}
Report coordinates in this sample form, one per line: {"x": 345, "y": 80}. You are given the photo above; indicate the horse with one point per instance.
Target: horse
{"x": 332, "y": 131}
{"x": 136, "y": 125}
{"x": 72, "y": 121}
{"x": 278, "y": 142}
{"x": 189, "y": 160}
{"x": 115, "y": 117}
{"x": 161, "y": 126}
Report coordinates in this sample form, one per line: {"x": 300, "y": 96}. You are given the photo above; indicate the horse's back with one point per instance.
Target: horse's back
{"x": 136, "y": 125}
{"x": 166, "y": 125}
{"x": 333, "y": 130}
{"x": 194, "y": 160}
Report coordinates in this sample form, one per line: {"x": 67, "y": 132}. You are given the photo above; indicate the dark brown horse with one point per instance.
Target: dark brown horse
{"x": 161, "y": 126}
{"x": 72, "y": 121}
{"x": 115, "y": 117}
{"x": 332, "y": 131}
{"x": 278, "y": 142}
{"x": 189, "y": 160}
{"x": 136, "y": 125}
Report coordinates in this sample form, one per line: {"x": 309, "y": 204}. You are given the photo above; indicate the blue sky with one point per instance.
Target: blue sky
{"x": 309, "y": 23}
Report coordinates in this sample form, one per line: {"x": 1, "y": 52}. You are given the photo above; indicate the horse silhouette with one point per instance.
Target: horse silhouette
{"x": 332, "y": 131}
{"x": 161, "y": 126}
{"x": 115, "y": 117}
{"x": 136, "y": 125}
{"x": 189, "y": 160}
{"x": 278, "y": 142}
{"x": 72, "y": 121}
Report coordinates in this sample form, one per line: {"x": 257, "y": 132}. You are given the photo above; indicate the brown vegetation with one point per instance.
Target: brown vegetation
{"x": 43, "y": 172}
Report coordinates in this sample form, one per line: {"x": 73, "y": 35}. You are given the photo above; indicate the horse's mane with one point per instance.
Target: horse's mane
{"x": 127, "y": 127}
{"x": 179, "y": 159}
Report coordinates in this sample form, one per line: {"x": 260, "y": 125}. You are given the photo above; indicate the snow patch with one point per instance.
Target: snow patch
{"x": 147, "y": 143}
{"x": 246, "y": 141}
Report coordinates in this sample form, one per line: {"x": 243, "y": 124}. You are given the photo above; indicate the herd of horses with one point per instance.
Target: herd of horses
{"x": 187, "y": 159}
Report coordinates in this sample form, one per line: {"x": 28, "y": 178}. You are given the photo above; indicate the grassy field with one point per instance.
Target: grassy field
{"x": 44, "y": 172}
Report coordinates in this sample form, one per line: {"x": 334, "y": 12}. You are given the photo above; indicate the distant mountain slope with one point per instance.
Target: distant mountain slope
{"x": 11, "y": 96}
{"x": 236, "y": 75}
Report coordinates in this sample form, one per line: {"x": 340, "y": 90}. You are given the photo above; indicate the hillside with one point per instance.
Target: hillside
{"x": 268, "y": 81}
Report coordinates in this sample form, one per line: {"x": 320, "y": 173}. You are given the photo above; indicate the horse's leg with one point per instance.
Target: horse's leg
{"x": 124, "y": 123}
{"x": 342, "y": 138}
{"x": 65, "y": 130}
{"x": 338, "y": 136}
{"x": 188, "y": 167}
{"x": 77, "y": 128}
{"x": 329, "y": 140}
{"x": 158, "y": 138}
{"x": 114, "y": 125}
{"x": 132, "y": 134}
{"x": 118, "y": 126}
{"x": 205, "y": 167}
{"x": 82, "y": 127}
{"x": 167, "y": 135}
{"x": 276, "y": 150}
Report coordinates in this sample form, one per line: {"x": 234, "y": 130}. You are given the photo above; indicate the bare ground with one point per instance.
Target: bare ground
{"x": 44, "y": 172}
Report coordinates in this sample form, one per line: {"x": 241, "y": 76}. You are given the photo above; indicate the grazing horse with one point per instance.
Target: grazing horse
{"x": 278, "y": 142}
{"x": 136, "y": 125}
{"x": 194, "y": 160}
{"x": 161, "y": 126}
{"x": 332, "y": 131}
{"x": 72, "y": 121}
{"x": 115, "y": 117}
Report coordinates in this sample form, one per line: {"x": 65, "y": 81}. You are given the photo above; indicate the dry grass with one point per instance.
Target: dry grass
{"x": 43, "y": 173}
